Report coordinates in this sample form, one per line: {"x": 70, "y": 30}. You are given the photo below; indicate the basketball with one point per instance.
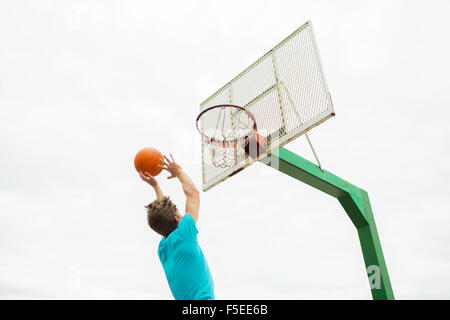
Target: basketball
{"x": 147, "y": 160}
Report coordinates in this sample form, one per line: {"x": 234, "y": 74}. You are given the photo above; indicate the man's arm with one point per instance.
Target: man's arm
{"x": 192, "y": 195}
{"x": 158, "y": 191}
{"x": 189, "y": 188}
{"x": 153, "y": 182}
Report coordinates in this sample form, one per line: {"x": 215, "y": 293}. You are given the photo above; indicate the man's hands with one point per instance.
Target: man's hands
{"x": 153, "y": 182}
{"x": 171, "y": 166}
{"x": 189, "y": 189}
{"x": 148, "y": 178}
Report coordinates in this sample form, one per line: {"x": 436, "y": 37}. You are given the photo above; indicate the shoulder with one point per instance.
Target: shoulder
{"x": 187, "y": 226}
{"x": 187, "y": 218}
{"x": 185, "y": 230}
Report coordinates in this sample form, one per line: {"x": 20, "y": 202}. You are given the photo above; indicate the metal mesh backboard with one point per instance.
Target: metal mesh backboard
{"x": 285, "y": 90}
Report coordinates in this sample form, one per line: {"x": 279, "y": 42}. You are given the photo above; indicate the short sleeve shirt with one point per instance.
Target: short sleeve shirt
{"x": 184, "y": 264}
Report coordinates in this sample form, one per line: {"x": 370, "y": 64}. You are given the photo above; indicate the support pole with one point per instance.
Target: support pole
{"x": 356, "y": 204}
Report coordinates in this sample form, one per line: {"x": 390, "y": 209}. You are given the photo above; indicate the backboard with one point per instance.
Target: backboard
{"x": 285, "y": 90}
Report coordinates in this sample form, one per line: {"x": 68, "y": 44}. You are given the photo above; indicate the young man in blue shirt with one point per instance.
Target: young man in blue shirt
{"x": 184, "y": 264}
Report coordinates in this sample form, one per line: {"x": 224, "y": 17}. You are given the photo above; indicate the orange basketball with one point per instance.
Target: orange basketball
{"x": 147, "y": 160}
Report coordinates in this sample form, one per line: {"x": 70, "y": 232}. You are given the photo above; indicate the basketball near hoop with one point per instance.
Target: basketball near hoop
{"x": 231, "y": 135}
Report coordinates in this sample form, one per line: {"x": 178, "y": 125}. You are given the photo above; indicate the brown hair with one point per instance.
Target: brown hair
{"x": 161, "y": 216}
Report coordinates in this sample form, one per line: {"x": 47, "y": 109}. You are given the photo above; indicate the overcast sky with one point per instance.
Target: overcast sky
{"x": 85, "y": 84}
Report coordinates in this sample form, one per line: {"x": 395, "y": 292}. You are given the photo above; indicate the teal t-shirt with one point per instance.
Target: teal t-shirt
{"x": 184, "y": 264}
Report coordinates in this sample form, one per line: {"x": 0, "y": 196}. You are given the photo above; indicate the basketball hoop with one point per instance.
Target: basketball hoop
{"x": 230, "y": 132}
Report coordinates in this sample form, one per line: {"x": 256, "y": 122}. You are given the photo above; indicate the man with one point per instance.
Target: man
{"x": 184, "y": 264}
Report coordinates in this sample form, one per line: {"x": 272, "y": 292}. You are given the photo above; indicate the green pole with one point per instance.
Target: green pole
{"x": 355, "y": 202}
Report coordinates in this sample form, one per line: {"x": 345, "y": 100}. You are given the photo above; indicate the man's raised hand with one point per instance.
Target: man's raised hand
{"x": 148, "y": 178}
{"x": 171, "y": 166}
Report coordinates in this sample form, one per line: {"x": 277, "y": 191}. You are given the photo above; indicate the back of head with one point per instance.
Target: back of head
{"x": 161, "y": 216}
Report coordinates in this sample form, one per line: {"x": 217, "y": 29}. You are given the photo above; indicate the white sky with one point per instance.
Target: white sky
{"x": 85, "y": 84}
